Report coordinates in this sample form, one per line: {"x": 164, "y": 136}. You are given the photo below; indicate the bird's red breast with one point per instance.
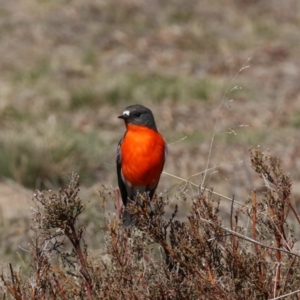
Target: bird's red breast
{"x": 143, "y": 155}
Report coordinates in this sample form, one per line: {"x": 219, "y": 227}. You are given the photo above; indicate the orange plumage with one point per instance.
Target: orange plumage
{"x": 143, "y": 156}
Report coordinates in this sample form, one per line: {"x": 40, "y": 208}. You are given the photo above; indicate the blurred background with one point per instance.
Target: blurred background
{"x": 223, "y": 69}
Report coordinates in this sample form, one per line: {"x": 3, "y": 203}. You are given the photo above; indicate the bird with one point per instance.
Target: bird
{"x": 141, "y": 155}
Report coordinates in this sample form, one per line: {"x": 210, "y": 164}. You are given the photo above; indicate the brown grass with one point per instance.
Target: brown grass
{"x": 69, "y": 68}
{"x": 159, "y": 258}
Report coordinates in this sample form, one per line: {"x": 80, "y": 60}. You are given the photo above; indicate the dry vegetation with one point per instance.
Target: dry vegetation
{"x": 160, "y": 258}
{"x": 68, "y": 68}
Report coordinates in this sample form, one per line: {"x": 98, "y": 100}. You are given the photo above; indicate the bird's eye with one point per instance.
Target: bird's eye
{"x": 137, "y": 114}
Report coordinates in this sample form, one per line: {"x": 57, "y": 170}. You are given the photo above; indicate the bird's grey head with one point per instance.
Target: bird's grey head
{"x": 138, "y": 115}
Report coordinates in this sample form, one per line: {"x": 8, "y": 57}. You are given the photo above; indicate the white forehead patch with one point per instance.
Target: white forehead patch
{"x": 126, "y": 113}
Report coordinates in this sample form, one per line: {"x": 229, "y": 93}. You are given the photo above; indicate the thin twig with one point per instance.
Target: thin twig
{"x": 205, "y": 189}
{"x": 277, "y": 279}
{"x": 285, "y": 295}
{"x": 294, "y": 212}
{"x": 253, "y": 241}
{"x": 254, "y": 220}
{"x": 217, "y": 119}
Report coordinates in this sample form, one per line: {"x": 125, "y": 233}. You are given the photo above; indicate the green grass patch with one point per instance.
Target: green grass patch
{"x": 295, "y": 120}
{"x": 43, "y": 158}
{"x": 155, "y": 88}
{"x": 83, "y": 97}
{"x": 90, "y": 57}
{"x": 265, "y": 29}
{"x": 243, "y": 136}
{"x": 41, "y": 69}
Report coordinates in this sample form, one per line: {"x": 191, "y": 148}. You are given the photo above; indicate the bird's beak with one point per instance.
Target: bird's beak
{"x": 125, "y": 115}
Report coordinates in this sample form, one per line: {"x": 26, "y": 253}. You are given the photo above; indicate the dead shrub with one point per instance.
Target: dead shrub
{"x": 167, "y": 259}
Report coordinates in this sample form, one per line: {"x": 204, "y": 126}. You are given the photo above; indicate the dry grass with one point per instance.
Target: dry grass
{"x": 159, "y": 258}
{"x": 69, "y": 68}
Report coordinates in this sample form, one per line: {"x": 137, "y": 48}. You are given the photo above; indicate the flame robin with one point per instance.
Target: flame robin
{"x": 141, "y": 156}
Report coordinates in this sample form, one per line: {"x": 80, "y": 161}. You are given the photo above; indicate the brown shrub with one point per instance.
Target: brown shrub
{"x": 167, "y": 259}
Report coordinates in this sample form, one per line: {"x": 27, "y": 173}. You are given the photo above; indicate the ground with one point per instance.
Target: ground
{"x": 220, "y": 77}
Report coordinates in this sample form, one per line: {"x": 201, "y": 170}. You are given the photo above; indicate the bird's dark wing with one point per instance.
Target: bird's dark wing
{"x": 127, "y": 219}
{"x": 121, "y": 183}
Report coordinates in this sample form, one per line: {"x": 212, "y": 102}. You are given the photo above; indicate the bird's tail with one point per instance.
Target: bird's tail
{"x": 127, "y": 218}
